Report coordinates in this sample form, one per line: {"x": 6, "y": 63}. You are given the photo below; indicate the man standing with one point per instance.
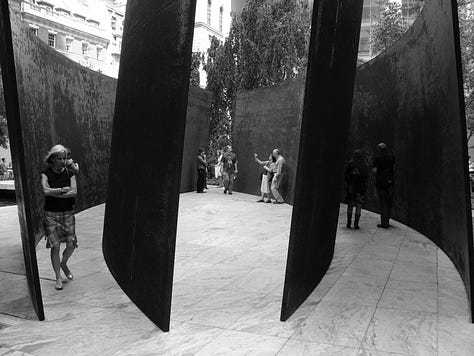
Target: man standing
{"x": 278, "y": 176}
{"x": 201, "y": 170}
{"x": 384, "y": 180}
{"x": 229, "y": 169}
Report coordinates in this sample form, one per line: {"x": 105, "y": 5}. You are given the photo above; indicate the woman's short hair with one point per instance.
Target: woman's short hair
{"x": 54, "y": 151}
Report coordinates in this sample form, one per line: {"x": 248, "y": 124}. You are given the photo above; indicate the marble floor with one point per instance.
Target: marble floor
{"x": 387, "y": 292}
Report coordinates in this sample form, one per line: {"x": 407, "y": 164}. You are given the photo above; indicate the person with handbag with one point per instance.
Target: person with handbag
{"x": 383, "y": 167}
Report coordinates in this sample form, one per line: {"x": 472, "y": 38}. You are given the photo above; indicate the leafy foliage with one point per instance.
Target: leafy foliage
{"x": 391, "y": 22}
{"x": 196, "y": 60}
{"x": 267, "y": 44}
{"x": 466, "y": 28}
{"x": 3, "y": 119}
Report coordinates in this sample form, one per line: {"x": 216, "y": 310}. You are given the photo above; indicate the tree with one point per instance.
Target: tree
{"x": 196, "y": 60}
{"x": 392, "y": 22}
{"x": 3, "y": 119}
{"x": 466, "y": 29}
{"x": 267, "y": 44}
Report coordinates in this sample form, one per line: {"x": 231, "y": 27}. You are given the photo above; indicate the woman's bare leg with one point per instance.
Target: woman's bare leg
{"x": 55, "y": 261}
{"x": 68, "y": 251}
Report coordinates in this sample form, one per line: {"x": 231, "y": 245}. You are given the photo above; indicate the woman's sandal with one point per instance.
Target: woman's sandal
{"x": 59, "y": 285}
{"x": 66, "y": 271}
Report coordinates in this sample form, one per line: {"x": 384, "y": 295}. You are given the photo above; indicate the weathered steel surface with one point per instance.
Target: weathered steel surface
{"x": 268, "y": 118}
{"x": 324, "y": 129}
{"x": 147, "y": 148}
{"x": 60, "y": 102}
{"x": 411, "y": 98}
{"x": 196, "y": 135}
{"x": 19, "y": 156}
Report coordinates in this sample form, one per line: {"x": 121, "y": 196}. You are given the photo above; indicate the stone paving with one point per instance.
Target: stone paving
{"x": 387, "y": 292}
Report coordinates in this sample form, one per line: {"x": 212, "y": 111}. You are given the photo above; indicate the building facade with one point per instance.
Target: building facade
{"x": 88, "y": 32}
{"x": 213, "y": 19}
{"x": 370, "y": 13}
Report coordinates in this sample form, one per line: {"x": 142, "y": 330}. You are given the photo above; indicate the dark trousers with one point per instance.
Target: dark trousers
{"x": 386, "y": 201}
{"x": 228, "y": 178}
{"x": 201, "y": 181}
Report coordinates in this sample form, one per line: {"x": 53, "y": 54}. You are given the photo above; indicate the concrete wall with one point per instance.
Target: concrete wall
{"x": 268, "y": 118}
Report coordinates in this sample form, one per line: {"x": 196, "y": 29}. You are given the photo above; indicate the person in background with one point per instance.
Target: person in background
{"x": 278, "y": 176}
{"x": 207, "y": 170}
{"x": 267, "y": 175}
{"x": 60, "y": 190}
{"x": 201, "y": 171}
{"x": 355, "y": 176}
{"x": 383, "y": 167}
{"x": 229, "y": 170}
{"x": 218, "y": 168}
{"x": 3, "y": 169}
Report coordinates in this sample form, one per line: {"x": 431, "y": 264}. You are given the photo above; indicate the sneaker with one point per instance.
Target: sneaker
{"x": 225, "y": 191}
{"x": 260, "y": 201}
{"x": 268, "y": 201}
{"x": 383, "y": 226}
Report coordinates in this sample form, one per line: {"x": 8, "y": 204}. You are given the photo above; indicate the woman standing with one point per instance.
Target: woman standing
{"x": 60, "y": 189}
{"x": 267, "y": 176}
{"x": 356, "y": 174}
{"x": 218, "y": 168}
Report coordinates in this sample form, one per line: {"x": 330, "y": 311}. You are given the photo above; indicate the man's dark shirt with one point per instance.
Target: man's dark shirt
{"x": 385, "y": 172}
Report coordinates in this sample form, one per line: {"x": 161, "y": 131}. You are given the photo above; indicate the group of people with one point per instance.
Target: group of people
{"x": 58, "y": 180}
{"x": 272, "y": 176}
{"x": 225, "y": 168}
{"x": 356, "y": 175}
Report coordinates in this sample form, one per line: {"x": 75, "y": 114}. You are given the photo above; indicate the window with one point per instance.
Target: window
{"x": 221, "y": 12}
{"x": 85, "y": 48}
{"x": 52, "y": 40}
{"x": 99, "y": 52}
{"x": 34, "y": 30}
{"x": 209, "y": 3}
{"x": 113, "y": 22}
{"x": 69, "y": 44}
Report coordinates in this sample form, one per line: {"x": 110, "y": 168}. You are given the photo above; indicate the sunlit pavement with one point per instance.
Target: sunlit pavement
{"x": 387, "y": 292}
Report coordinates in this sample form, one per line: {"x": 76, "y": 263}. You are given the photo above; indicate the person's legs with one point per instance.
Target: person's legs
{"x": 55, "y": 261}
{"x": 275, "y": 192}
{"x": 349, "y": 215}
{"x": 201, "y": 180}
{"x": 231, "y": 182}
{"x": 225, "y": 178}
{"x": 357, "y": 215}
{"x": 389, "y": 199}
{"x": 383, "y": 196}
{"x": 68, "y": 251}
